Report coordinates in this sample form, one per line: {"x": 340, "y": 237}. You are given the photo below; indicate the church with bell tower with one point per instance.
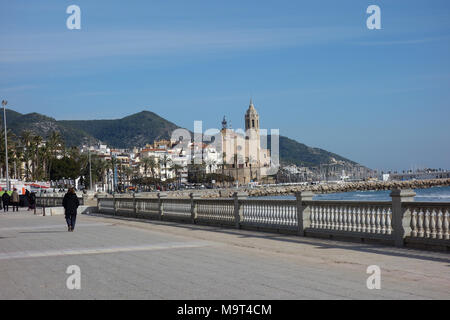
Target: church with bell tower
{"x": 242, "y": 155}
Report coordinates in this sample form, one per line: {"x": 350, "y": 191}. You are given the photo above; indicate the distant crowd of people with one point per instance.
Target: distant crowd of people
{"x": 12, "y": 198}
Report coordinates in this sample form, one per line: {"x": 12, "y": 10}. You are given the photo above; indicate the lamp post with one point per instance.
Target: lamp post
{"x": 90, "y": 170}
{"x": 4, "y": 103}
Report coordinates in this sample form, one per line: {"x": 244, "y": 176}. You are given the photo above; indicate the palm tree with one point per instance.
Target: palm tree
{"x": 177, "y": 169}
{"x": 148, "y": 163}
{"x": 26, "y": 138}
{"x": 55, "y": 145}
{"x": 35, "y": 162}
{"x": 128, "y": 174}
{"x": 164, "y": 162}
{"x": 211, "y": 163}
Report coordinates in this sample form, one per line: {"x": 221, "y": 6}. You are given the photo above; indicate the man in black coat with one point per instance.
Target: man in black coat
{"x": 5, "y": 200}
{"x": 70, "y": 204}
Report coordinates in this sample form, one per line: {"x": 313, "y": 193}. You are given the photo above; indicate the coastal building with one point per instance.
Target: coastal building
{"x": 243, "y": 157}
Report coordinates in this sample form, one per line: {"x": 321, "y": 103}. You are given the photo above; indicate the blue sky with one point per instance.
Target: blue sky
{"x": 314, "y": 70}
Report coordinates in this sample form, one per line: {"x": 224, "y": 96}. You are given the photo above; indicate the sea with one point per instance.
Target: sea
{"x": 441, "y": 194}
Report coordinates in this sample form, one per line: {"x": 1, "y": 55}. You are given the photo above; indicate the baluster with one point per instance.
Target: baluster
{"x": 313, "y": 216}
{"x": 348, "y": 218}
{"x": 325, "y": 217}
{"x": 339, "y": 217}
{"x": 336, "y": 217}
{"x": 373, "y": 223}
{"x": 368, "y": 215}
{"x": 273, "y": 215}
{"x": 414, "y": 223}
{"x": 378, "y": 221}
{"x": 353, "y": 217}
{"x": 344, "y": 218}
{"x": 433, "y": 222}
{"x": 439, "y": 223}
{"x": 320, "y": 217}
{"x": 317, "y": 215}
{"x": 445, "y": 225}
{"x": 331, "y": 218}
{"x": 420, "y": 218}
{"x": 427, "y": 223}
{"x": 363, "y": 219}
{"x": 383, "y": 220}
{"x": 358, "y": 219}
{"x": 388, "y": 221}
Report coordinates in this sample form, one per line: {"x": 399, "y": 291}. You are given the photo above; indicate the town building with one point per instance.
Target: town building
{"x": 242, "y": 155}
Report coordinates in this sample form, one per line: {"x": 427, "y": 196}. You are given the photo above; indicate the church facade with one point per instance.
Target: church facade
{"x": 242, "y": 155}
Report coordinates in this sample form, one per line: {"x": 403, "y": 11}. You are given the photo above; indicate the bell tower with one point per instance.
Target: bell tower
{"x": 253, "y": 147}
{"x": 251, "y": 118}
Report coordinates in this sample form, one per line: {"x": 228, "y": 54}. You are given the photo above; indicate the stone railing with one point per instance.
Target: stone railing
{"x": 52, "y": 201}
{"x": 400, "y": 221}
{"x": 429, "y": 220}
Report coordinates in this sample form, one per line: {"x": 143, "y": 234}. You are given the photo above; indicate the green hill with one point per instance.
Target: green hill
{"x": 42, "y": 125}
{"x": 293, "y": 152}
{"x": 135, "y": 130}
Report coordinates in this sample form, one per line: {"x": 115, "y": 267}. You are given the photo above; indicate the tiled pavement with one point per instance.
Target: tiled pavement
{"x": 124, "y": 259}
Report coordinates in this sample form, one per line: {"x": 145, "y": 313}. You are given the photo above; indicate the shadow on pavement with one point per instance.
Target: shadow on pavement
{"x": 319, "y": 243}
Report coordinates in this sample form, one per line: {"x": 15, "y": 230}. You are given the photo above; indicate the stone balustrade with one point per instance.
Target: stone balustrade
{"x": 53, "y": 201}
{"x": 399, "y": 222}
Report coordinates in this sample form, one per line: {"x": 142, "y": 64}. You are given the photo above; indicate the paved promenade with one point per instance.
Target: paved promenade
{"x": 126, "y": 259}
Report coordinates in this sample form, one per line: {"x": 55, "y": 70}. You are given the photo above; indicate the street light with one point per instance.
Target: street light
{"x": 4, "y": 103}
{"x": 90, "y": 170}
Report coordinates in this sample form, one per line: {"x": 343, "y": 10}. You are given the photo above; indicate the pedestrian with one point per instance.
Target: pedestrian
{"x": 32, "y": 200}
{"x": 15, "y": 199}
{"x": 70, "y": 204}
{"x": 28, "y": 199}
{"x": 5, "y": 200}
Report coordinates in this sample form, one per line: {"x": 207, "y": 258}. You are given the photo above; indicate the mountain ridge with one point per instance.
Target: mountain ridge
{"x": 142, "y": 128}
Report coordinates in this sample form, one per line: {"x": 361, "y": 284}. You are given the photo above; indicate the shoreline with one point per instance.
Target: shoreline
{"x": 292, "y": 189}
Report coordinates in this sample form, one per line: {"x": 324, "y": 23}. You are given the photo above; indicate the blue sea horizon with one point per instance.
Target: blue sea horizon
{"x": 441, "y": 194}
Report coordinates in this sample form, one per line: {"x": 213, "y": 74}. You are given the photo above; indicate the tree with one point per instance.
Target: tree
{"x": 26, "y": 138}
{"x": 55, "y": 145}
{"x": 149, "y": 163}
{"x": 165, "y": 163}
{"x": 177, "y": 169}
{"x": 65, "y": 168}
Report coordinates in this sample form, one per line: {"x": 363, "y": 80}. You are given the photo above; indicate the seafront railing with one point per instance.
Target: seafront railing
{"x": 401, "y": 221}
{"x": 53, "y": 201}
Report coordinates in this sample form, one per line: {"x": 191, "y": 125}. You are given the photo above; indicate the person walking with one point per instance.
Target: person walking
{"x": 70, "y": 204}
{"x": 27, "y": 199}
{"x": 32, "y": 201}
{"x": 5, "y": 200}
{"x": 15, "y": 199}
